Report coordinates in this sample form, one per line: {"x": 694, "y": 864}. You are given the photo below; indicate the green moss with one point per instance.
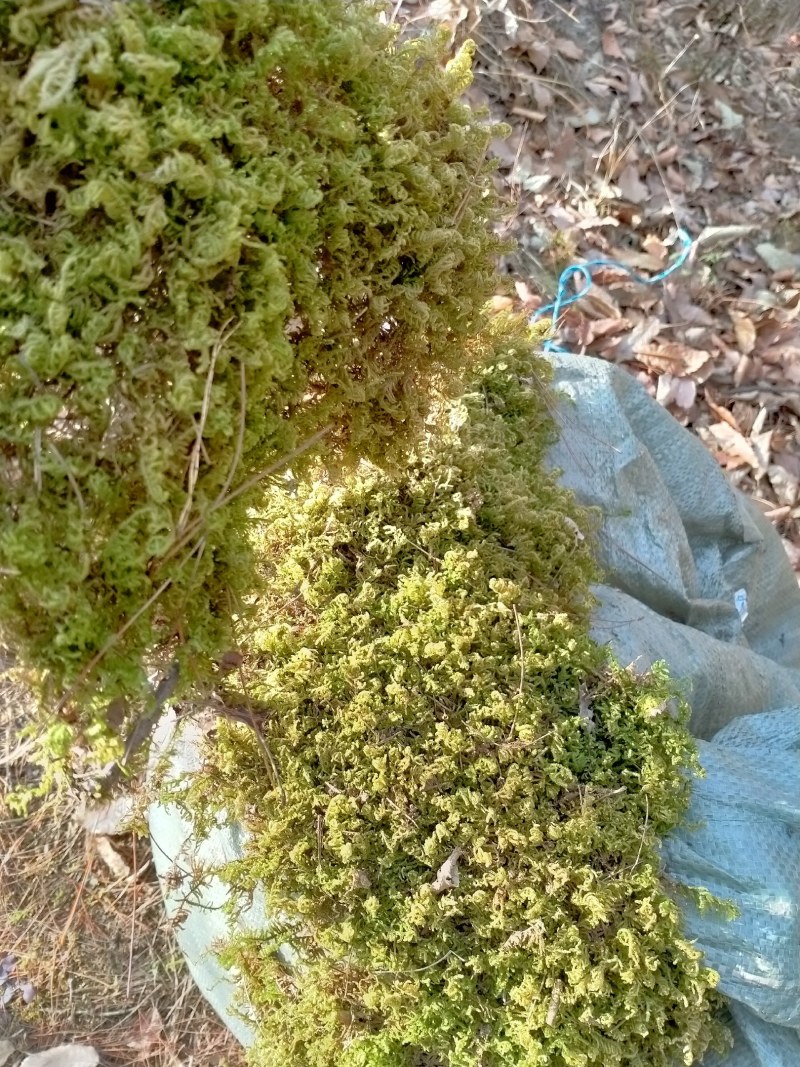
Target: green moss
{"x": 225, "y": 226}
{"x": 428, "y": 688}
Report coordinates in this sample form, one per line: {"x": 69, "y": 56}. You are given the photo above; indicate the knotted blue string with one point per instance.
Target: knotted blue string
{"x": 583, "y": 271}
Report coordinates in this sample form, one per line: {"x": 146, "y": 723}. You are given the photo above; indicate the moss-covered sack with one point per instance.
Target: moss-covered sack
{"x": 454, "y": 799}
{"x": 226, "y": 226}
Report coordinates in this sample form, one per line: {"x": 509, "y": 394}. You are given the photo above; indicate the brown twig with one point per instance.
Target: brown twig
{"x": 266, "y": 753}
{"x": 237, "y": 455}
{"x": 197, "y": 447}
{"x": 132, "y": 940}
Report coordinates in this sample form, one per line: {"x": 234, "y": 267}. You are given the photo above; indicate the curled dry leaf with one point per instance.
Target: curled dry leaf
{"x": 737, "y": 449}
{"x": 361, "y": 880}
{"x": 118, "y": 867}
{"x": 681, "y": 392}
{"x": 745, "y": 332}
{"x": 531, "y": 936}
{"x": 784, "y": 484}
{"x": 611, "y": 46}
{"x": 568, "y": 48}
{"x": 447, "y": 876}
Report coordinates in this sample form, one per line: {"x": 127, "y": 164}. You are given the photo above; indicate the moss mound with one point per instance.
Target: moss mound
{"x": 456, "y": 803}
{"x": 225, "y": 226}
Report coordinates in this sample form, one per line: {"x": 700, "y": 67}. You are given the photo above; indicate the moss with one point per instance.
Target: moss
{"x": 432, "y": 701}
{"x": 225, "y": 226}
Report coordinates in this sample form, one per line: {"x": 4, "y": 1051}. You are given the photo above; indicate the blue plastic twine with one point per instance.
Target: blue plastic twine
{"x": 583, "y": 271}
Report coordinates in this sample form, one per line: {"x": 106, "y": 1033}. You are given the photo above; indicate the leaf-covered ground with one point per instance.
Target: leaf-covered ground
{"x": 628, "y": 120}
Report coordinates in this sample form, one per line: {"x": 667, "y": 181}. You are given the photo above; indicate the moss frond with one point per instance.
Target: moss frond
{"x": 226, "y": 226}
{"x": 433, "y": 704}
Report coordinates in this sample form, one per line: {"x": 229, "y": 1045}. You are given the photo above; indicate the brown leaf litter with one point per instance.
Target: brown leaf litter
{"x": 627, "y": 121}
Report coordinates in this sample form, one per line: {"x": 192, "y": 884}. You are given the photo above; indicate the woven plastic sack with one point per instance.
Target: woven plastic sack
{"x": 741, "y": 841}
{"x": 695, "y": 576}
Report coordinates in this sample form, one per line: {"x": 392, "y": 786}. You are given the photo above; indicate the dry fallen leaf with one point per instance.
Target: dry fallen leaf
{"x": 112, "y": 859}
{"x": 531, "y": 936}
{"x": 108, "y": 816}
{"x": 711, "y": 238}
{"x": 778, "y": 259}
{"x": 539, "y": 54}
{"x": 631, "y": 186}
{"x": 639, "y": 338}
{"x": 785, "y": 486}
{"x": 673, "y": 357}
{"x": 542, "y": 96}
{"x": 599, "y": 303}
{"x": 721, "y": 412}
{"x": 611, "y": 46}
{"x": 745, "y": 332}
{"x": 681, "y": 309}
{"x": 568, "y": 48}
{"x": 738, "y": 451}
{"x": 447, "y": 876}
{"x": 64, "y": 1056}
{"x": 762, "y": 446}
{"x": 149, "y": 1035}
{"x": 682, "y": 392}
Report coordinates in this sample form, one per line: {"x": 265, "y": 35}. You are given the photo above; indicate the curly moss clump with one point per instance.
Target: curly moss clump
{"x": 225, "y": 226}
{"x": 459, "y": 818}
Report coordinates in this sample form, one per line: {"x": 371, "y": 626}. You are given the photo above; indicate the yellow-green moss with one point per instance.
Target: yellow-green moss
{"x": 225, "y": 225}
{"x": 427, "y": 685}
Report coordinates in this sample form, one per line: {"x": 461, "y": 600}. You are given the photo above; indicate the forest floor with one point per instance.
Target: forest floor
{"x": 632, "y": 119}
{"x": 628, "y": 120}
{"x": 84, "y": 936}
